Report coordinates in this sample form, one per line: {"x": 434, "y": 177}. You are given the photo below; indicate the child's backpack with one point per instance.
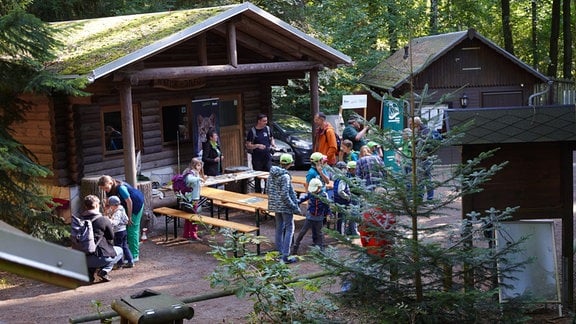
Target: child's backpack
{"x": 179, "y": 183}
{"x": 82, "y": 234}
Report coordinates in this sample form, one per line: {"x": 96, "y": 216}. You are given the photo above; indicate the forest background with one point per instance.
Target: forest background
{"x": 538, "y": 32}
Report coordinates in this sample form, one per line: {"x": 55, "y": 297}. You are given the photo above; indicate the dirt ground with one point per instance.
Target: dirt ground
{"x": 175, "y": 267}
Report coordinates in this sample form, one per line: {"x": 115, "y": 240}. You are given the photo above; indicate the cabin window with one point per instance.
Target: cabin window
{"x": 175, "y": 123}
{"x": 228, "y": 112}
{"x": 113, "y": 130}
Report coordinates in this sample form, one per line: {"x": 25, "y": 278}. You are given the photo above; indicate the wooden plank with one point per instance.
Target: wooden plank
{"x": 205, "y": 220}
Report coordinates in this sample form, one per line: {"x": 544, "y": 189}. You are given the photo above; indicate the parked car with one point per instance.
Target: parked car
{"x": 281, "y": 148}
{"x": 297, "y": 133}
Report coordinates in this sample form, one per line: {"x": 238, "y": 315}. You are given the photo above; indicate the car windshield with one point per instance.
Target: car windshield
{"x": 292, "y": 124}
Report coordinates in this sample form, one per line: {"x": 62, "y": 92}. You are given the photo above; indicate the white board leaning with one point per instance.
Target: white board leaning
{"x": 539, "y": 278}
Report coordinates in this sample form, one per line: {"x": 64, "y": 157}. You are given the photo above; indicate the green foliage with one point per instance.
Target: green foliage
{"x": 427, "y": 273}
{"x": 26, "y": 45}
{"x": 278, "y": 296}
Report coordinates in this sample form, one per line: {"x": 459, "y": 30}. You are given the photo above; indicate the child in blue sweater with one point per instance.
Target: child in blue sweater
{"x": 317, "y": 211}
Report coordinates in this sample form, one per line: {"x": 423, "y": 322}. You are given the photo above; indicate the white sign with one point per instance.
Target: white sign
{"x": 354, "y": 101}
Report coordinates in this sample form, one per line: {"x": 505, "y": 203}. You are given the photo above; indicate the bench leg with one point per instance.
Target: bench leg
{"x": 166, "y": 229}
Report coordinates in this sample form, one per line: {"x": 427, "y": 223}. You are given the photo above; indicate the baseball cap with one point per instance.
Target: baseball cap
{"x": 314, "y": 185}
{"x": 316, "y": 157}
{"x": 352, "y": 120}
{"x": 286, "y": 158}
{"x": 351, "y": 165}
{"x": 113, "y": 201}
{"x": 371, "y": 144}
{"x": 341, "y": 165}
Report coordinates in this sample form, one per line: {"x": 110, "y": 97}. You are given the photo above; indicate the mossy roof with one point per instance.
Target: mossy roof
{"x": 98, "y": 47}
{"x": 393, "y": 72}
{"x": 93, "y": 43}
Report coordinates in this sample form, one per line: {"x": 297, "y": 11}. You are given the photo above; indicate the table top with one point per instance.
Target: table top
{"x": 259, "y": 203}
{"x": 231, "y": 177}
{"x": 226, "y": 178}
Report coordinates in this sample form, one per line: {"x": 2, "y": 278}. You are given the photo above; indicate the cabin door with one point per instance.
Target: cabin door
{"x": 231, "y": 130}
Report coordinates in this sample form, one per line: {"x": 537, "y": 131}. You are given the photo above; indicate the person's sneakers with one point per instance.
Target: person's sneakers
{"x": 288, "y": 260}
{"x": 136, "y": 259}
{"x": 104, "y": 276}
{"x": 128, "y": 265}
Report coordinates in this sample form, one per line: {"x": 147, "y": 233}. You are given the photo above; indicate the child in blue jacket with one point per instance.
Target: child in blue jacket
{"x": 317, "y": 211}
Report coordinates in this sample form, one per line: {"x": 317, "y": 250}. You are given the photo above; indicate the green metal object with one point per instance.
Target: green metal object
{"x": 150, "y": 306}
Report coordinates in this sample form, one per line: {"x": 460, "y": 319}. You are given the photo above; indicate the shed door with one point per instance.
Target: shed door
{"x": 502, "y": 99}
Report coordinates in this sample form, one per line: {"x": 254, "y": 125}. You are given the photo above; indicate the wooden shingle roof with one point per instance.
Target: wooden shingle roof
{"x": 515, "y": 124}
{"x": 393, "y": 72}
{"x": 98, "y": 47}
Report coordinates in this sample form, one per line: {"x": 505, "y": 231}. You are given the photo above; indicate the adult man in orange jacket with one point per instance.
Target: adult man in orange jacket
{"x": 325, "y": 140}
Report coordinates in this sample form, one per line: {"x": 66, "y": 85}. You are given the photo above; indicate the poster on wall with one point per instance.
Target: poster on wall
{"x": 205, "y": 117}
{"x": 393, "y": 120}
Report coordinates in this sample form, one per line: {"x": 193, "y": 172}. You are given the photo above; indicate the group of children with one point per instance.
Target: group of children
{"x": 319, "y": 200}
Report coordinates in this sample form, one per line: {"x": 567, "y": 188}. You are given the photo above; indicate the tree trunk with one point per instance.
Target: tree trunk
{"x": 433, "y": 17}
{"x": 506, "y": 30}
{"x": 535, "y": 59}
{"x": 554, "y": 36}
{"x": 567, "y": 33}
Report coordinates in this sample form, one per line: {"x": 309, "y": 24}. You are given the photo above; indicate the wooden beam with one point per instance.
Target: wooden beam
{"x": 232, "y": 50}
{"x": 128, "y": 133}
{"x": 202, "y": 50}
{"x": 215, "y": 71}
{"x": 256, "y": 45}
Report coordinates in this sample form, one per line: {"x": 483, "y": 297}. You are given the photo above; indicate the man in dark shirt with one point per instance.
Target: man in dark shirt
{"x": 259, "y": 140}
{"x": 355, "y": 133}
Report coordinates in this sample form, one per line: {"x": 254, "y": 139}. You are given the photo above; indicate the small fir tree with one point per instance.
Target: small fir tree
{"x": 404, "y": 274}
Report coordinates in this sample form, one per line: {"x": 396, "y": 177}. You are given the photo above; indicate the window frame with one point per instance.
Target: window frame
{"x": 138, "y": 143}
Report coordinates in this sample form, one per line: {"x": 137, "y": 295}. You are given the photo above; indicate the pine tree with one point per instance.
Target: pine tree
{"x": 407, "y": 275}
{"x": 26, "y": 46}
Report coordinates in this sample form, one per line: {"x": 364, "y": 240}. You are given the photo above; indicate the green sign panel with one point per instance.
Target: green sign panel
{"x": 393, "y": 121}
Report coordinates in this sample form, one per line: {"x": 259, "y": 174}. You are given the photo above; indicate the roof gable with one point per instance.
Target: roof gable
{"x": 395, "y": 70}
{"x": 98, "y": 47}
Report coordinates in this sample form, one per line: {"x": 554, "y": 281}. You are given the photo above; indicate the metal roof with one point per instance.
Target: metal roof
{"x": 98, "y": 47}
{"x": 395, "y": 70}
{"x": 515, "y": 124}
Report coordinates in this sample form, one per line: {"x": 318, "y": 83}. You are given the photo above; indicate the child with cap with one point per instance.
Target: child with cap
{"x": 315, "y": 214}
{"x": 317, "y": 169}
{"x": 343, "y": 198}
{"x": 376, "y": 149}
{"x": 283, "y": 202}
{"x": 119, "y": 220}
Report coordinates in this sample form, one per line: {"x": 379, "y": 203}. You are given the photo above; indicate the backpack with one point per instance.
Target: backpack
{"x": 338, "y": 142}
{"x": 436, "y": 135}
{"x": 253, "y": 130}
{"x": 179, "y": 183}
{"x": 82, "y": 234}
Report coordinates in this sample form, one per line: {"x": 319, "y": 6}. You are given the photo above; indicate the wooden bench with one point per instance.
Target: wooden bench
{"x": 180, "y": 214}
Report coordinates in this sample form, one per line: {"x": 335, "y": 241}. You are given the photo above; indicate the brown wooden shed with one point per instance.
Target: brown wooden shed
{"x": 514, "y": 108}
{"x": 150, "y": 75}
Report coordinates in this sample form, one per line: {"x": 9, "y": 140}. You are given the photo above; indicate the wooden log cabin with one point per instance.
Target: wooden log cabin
{"x": 514, "y": 108}
{"x": 156, "y": 82}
